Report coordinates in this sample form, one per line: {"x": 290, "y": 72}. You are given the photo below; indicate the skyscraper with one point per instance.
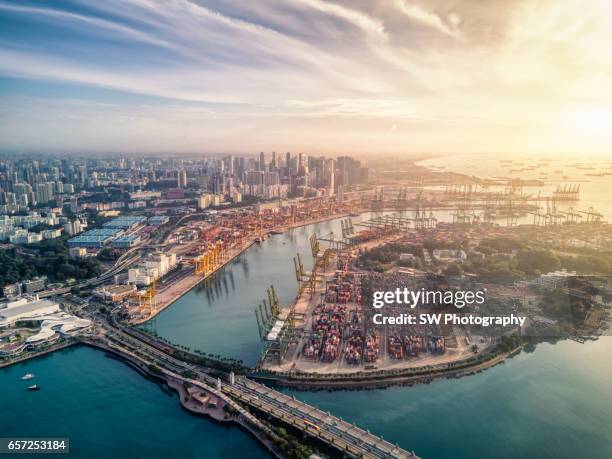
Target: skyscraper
{"x": 273, "y": 162}
{"x": 182, "y": 179}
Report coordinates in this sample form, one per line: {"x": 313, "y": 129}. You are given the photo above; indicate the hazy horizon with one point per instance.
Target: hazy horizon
{"x": 379, "y": 77}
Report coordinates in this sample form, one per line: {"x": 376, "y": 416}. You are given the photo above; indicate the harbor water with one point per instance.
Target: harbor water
{"x": 106, "y": 409}
{"x": 218, "y": 315}
{"x": 554, "y": 402}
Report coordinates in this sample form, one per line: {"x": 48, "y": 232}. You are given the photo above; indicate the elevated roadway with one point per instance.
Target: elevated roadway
{"x": 337, "y": 433}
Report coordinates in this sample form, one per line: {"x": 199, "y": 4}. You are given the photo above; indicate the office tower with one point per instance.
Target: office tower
{"x": 74, "y": 204}
{"x": 273, "y": 161}
{"x": 182, "y": 179}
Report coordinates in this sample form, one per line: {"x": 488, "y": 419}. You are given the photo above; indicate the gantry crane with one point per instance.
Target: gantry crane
{"x": 145, "y": 300}
{"x": 211, "y": 260}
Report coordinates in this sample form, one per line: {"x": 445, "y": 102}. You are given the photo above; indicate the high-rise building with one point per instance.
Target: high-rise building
{"x": 230, "y": 165}
{"x": 254, "y": 178}
{"x": 72, "y": 228}
{"x": 11, "y": 199}
{"x": 182, "y": 179}
{"x": 74, "y": 204}
{"x": 204, "y": 201}
{"x": 271, "y": 178}
{"x": 203, "y": 181}
{"x": 42, "y": 193}
{"x": 350, "y": 172}
{"x": 273, "y": 162}
{"x": 82, "y": 174}
{"x": 23, "y": 200}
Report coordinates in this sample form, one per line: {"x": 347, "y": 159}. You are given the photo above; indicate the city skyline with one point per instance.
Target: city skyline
{"x": 305, "y": 75}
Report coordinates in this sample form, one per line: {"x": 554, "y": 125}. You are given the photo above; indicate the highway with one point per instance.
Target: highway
{"x": 95, "y": 281}
{"x": 315, "y": 422}
{"x": 349, "y": 439}
{"x": 340, "y": 434}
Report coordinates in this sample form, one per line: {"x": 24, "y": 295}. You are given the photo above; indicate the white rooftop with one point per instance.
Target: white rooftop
{"x": 24, "y": 310}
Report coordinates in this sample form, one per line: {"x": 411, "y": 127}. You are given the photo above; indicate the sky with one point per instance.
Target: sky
{"x": 315, "y": 76}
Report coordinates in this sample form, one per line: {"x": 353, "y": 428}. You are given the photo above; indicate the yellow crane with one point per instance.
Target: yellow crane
{"x": 145, "y": 300}
{"x": 212, "y": 259}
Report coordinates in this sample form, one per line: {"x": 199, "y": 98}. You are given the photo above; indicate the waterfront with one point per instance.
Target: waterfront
{"x": 594, "y": 191}
{"x": 548, "y": 403}
{"x": 554, "y": 402}
{"x": 155, "y": 303}
{"x": 107, "y": 409}
{"x": 217, "y": 316}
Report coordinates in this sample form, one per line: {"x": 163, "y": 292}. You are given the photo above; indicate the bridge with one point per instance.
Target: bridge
{"x": 240, "y": 391}
{"x": 328, "y": 428}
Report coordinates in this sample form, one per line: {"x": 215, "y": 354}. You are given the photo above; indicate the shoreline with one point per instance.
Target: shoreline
{"x": 192, "y": 280}
{"x": 35, "y": 355}
{"x": 358, "y": 381}
{"x": 363, "y": 378}
{"x": 313, "y": 381}
{"x": 186, "y": 400}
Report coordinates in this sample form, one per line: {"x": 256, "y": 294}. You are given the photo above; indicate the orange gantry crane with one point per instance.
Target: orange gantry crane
{"x": 212, "y": 258}
{"x": 145, "y": 300}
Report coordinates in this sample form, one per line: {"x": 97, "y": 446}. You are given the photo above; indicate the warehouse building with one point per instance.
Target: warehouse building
{"x": 125, "y": 242}
{"x": 126, "y": 223}
{"x": 95, "y": 239}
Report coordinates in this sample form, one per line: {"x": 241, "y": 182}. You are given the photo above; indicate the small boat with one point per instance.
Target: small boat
{"x": 27, "y": 376}
{"x": 34, "y": 387}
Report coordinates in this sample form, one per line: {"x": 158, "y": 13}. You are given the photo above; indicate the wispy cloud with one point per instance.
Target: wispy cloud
{"x": 95, "y": 23}
{"x": 370, "y": 25}
{"x": 419, "y": 14}
{"x": 302, "y": 72}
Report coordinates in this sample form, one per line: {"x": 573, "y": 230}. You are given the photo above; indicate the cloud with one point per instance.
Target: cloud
{"x": 357, "y": 66}
{"x": 417, "y": 13}
{"x": 95, "y": 23}
{"x": 370, "y": 25}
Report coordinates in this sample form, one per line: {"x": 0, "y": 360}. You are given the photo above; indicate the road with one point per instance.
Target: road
{"x": 95, "y": 281}
{"x": 332, "y": 430}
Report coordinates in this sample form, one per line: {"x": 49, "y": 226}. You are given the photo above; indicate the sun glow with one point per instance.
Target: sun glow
{"x": 587, "y": 129}
{"x": 591, "y": 121}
